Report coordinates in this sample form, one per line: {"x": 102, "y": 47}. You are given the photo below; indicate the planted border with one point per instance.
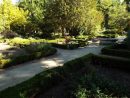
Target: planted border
{"x": 112, "y": 62}
{"x": 45, "y": 80}
{"x": 115, "y": 50}
{"x": 65, "y": 46}
{"x": 4, "y": 63}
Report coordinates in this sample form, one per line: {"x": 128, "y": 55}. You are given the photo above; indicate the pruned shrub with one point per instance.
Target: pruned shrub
{"x": 8, "y": 34}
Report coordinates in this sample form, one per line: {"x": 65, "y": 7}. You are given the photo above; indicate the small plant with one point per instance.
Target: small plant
{"x": 1, "y": 56}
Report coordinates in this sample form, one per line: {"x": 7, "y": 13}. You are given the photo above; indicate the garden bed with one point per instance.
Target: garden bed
{"x": 78, "y": 78}
{"x": 65, "y": 46}
{"x": 32, "y": 53}
{"x": 120, "y": 50}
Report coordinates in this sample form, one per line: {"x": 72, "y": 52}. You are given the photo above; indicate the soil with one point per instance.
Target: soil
{"x": 60, "y": 91}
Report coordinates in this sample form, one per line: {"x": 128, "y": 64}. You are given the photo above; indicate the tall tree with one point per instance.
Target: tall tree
{"x": 9, "y": 15}
{"x": 70, "y": 13}
{"x": 35, "y": 8}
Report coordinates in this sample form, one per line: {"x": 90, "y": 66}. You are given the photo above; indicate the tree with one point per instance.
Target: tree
{"x": 118, "y": 16}
{"x": 105, "y": 6}
{"x": 11, "y": 14}
{"x": 35, "y": 8}
{"x": 73, "y": 13}
{"x": 114, "y": 12}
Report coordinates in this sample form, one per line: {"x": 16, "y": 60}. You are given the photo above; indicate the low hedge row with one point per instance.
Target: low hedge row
{"x": 116, "y": 50}
{"x": 65, "y": 46}
{"x": 51, "y": 77}
{"x": 4, "y": 63}
{"x": 112, "y": 62}
{"x": 45, "y": 80}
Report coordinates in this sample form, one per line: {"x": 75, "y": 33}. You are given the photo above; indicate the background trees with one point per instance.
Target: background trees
{"x": 42, "y": 17}
{"x": 66, "y": 15}
{"x": 11, "y": 14}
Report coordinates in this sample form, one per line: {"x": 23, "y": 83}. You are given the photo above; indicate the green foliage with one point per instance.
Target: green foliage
{"x": 120, "y": 50}
{"x": 8, "y": 15}
{"x": 42, "y": 52}
{"x": 65, "y": 46}
{"x": 41, "y": 82}
{"x": 36, "y": 48}
{"x": 8, "y": 34}
{"x": 97, "y": 86}
{"x": 118, "y": 16}
{"x": 115, "y": 14}
{"x": 89, "y": 84}
{"x": 36, "y": 9}
{"x": 22, "y": 42}
{"x": 112, "y": 62}
{"x": 66, "y": 14}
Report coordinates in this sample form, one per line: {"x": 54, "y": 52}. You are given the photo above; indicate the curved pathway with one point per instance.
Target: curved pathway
{"x": 22, "y": 72}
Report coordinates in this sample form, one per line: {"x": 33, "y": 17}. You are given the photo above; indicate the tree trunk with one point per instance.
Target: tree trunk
{"x": 128, "y": 34}
{"x": 106, "y": 21}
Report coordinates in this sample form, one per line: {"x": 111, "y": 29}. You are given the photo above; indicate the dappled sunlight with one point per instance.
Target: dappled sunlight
{"x": 50, "y": 63}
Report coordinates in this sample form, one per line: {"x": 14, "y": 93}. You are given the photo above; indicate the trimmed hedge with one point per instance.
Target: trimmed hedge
{"x": 112, "y": 62}
{"x": 45, "y": 80}
{"x": 49, "y": 78}
{"x": 116, "y": 50}
{"x": 4, "y": 63}
{"x": 65, "y": 46}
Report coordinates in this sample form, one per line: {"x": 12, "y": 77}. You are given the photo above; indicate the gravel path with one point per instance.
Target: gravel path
{"x": 18, "y": 74}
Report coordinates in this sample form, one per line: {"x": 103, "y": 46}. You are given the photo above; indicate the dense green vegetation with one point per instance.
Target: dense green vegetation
{"x": 49, "y": 18}
{"x": 32, "y": 52}
{"x": 89, "y": 84}
{"x": 36, "y": 26}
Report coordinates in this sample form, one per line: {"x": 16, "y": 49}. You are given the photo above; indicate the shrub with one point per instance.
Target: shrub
{"x": 8, "y": 34}
{"x": 21, "y": 42}
{"x": 117, "y": 50}
{"x": 41, "y": 82}
{"x": 91, "y": 85}
{"x": 97, "y": 86}
{"x": 65, "y": 46}
{"x": 112, "y": 62}
{"x": 39, "y": 47}
{"x": 4, "y": 63}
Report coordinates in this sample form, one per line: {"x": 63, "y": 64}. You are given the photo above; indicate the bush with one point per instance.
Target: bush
{"x": 111, "y": 33}
{"x": 4, "y": 63}
{"x": 21, "y": 42}
{"x": 117, "y": 50}
{"x": 112, "y": 62}
{"x": 39, "y": 47}
{"x": 97, "y": 86}
{"x": 65, "y": 46}
{"x": 8, "y": 34}
{"x": 41, "y": 82}
{"x": 91, "y": 85}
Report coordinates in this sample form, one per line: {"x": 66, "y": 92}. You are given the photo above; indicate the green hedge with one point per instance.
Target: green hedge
{"x": 50, "y": 78}
{"x": 65, "y": 46}
{"x": 112, "y": 62}
{"x": 4, "y": 63}
{"x": 116, "y": 50}
{"x": 45, "y": 80}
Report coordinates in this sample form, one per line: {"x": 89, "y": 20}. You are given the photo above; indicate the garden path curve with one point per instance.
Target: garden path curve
{"x": 22, "y": 72}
